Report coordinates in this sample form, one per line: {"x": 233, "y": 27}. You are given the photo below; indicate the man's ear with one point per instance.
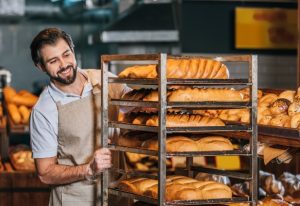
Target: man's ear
{"x": 40, "y": 67}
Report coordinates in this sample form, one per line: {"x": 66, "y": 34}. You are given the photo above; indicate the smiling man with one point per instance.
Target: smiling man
{"x": 66, "y": 151}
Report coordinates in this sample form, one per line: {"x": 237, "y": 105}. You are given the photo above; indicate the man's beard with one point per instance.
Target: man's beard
{"x": 69, "y": 80}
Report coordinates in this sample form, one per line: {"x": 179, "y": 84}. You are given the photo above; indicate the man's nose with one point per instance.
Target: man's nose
{"x": 63, "y": 63}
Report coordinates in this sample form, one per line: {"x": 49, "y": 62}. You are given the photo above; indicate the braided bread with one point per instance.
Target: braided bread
{"x": 177, "y": 188}
{"x": 196, "y": 68}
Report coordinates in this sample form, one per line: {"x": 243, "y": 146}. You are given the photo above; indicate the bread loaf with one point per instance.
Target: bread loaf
{"x": 9, "y": 94}
{"x": 195, "y": 68}
{"x": 178, "y": 188}
{"x": 186, "y": 120}
{"x": 14, "y": 113}
{"x": 190, "y": 95}
{"x": 209, "y": 94}
{"x": 214, "y": 143}
{"x": 26, "y": 100}
{"x": 176, "y": 143}
{"x": 25, "y": 114}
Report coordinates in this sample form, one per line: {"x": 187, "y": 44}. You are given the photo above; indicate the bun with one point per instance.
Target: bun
{"x": 287, "y": 94}
{"x": 280, "y": 106}
{"x": 195, "y": 68}
{"x": 268, "y": 99}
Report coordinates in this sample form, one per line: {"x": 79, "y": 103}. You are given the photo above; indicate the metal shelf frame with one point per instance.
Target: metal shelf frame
{"x": 162, "y": 83}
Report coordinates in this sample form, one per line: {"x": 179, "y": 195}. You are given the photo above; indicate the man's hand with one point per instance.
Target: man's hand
{"x": 100, "y": 162}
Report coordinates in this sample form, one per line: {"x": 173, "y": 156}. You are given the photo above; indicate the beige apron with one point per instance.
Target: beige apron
{"x": 76, "y": 145}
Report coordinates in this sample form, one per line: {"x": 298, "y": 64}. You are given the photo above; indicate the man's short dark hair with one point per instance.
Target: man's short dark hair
{"x": 48, "y": 36}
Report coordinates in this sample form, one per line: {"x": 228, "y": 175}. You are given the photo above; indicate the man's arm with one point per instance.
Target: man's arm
{"x": 50, "y": 172}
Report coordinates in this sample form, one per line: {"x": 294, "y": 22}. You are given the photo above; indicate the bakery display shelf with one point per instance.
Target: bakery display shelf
{"x": 179, "y": 154}
{"x": 291, "y": 133}
{"x": 203, "y": 82}
{"x": 204, "y": 129}
{"x": 229, "y": 173}
{"x": 204, "y": 105}
{"x": 150, "y": 200}
{"x": 272, "y": 139}
{"x": 156, "y": 57}
{"x": 17, "y": 128}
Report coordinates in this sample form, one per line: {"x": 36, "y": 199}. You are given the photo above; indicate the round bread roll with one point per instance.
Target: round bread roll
{"x": 287, "y": 94}
{"x": 268, "y": 99}
{"x": 280, "y": 106}
{"x": 280, "y": 120}
{"x": 294, "y": 108}
{"x": 265, "y": 120}
{"x": 295, "y": 121}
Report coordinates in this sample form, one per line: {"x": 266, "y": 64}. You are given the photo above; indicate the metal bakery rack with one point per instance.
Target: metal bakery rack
{"x": 162, "y": 105}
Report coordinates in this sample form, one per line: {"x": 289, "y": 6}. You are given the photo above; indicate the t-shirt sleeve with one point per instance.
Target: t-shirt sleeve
{"x": 43, "y": 138}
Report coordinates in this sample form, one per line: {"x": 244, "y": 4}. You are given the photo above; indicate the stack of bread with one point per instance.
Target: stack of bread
{"x": 174, "y": 143}
{"x": 281, "y": 110}
{"x": 179, "y": 143}
{"x": 21, "y": 158}
{"x": 191, "y": 68}
{"x": 177, "y": 188}
{"x": 19, "y": 104}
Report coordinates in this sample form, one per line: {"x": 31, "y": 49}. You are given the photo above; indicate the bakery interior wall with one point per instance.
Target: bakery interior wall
{"x": 18, "y": 30}
{"x": 206, "y": 27}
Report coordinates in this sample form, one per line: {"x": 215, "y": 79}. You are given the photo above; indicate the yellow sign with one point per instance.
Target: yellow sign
{"x": 263, "y": 28}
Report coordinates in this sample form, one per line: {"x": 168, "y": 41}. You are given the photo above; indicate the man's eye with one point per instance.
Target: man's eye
{"x": 52, "y": 62}
{"x": 67, "y": 54}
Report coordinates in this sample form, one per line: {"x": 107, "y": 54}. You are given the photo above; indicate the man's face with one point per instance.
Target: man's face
{"x": 59, "y": 62}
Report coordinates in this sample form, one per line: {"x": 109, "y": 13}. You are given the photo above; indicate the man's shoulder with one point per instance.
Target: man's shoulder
{"x": 45, "y": 103}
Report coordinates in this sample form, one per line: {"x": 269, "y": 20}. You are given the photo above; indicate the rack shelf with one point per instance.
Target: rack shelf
{"x": 178, "y": 202}
{"x": 179, "y": 154}
{"x": 204, "y": 129}
{"x": 190, "y": 105}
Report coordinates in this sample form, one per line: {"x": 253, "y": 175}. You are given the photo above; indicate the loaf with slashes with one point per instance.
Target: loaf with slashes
{"x": 191, "y": 95}
{"x": 177, "y": 188}
{"x": 180, "y": 120}
{"x": 194, "y": 68}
